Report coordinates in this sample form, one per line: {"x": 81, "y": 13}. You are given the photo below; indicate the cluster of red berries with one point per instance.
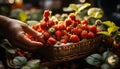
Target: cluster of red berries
{"x": 71, "y": 30}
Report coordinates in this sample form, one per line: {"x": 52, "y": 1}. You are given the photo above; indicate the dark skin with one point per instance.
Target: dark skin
{"x": 15, "y": 30}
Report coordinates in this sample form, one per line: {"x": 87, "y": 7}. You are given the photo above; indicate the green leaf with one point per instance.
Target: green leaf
{"x": 19, "y": 61}
{"x": 106, "y": 66}
{"x": 67, "y": 9}
{"x": 15, "y": 13}
{"x": 22, "y": 16}
{"x": 113, "y": 29}
{"x": 26, "y": 67}
{"x": 7, "y": 46}
{"x": 109, "y": 23}
{"x": 118, "y": 34}
{"x": 106, "y": 54}
{"x": 84, "y": 6}
{"x": 74, "y": 7}
{"x": 114, "y": 42}
{"x": 104, "y": 33}
{"x": 95, "y": 12}
{"x": 94, "y": 59}
{"x": 33, "y": 63}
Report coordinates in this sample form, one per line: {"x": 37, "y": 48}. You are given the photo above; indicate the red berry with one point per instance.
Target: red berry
{"x": 72, "y": 16}
{"x": 30, "y": 37}
{"x": 74, "y": 38}
{"x": 61, "y": 27}
{"x": 84, "y": 22}
{"x": 74, "y": 23}
{"x": 91, "y": 35}
{"x": 79, "y": 30}
{"x": 46, "y": 35}
{"x": 40, "y": 39}
{"x": 51, "y": 41}
{"x": 63, "y": 32}
{"x": 46, "y": 13}
{"x": 75, "y": 31}
{"x": 116, "y": 45}
{"x": 66, "y": 37}
{"x": 58, "y": 34}
{"x": 68, "y": 22}
{"x": 84, "y": 34}
{"x": 93, "y": 28}
{"x": 39, "y": 30}
{"x": 51, "y": 23}
{"x": 68, "y": 29}
{"x": 46, "y": 19}
{"x": 78, "y": 21}
{"x": 35, "y": 27}
{"x": 43, "y": 26}
{"x": 63, "y": 41}
{"x": 84, "y": 27}
{"x": 56, "y": 27}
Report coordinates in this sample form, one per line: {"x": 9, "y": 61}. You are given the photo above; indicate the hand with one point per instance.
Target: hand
{"x": 15, "y": 30}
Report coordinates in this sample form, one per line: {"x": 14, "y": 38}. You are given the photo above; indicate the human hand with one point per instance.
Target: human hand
{"x": 15, "y": 31}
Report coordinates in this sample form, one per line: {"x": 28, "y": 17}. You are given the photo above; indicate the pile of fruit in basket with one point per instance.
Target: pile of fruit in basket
{"x": 72, "y": 30}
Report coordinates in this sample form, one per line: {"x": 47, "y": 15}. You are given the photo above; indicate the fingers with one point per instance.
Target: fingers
{"x": 21, "y": 37}
{"x": 31, "y": 31}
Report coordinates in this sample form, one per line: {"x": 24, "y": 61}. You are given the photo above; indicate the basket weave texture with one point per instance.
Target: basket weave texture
{"x": 71, "y": 51}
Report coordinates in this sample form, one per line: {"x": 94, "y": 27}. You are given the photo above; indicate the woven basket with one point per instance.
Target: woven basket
{"x": 64, "y": 53}
{"x": 71, "y": 51}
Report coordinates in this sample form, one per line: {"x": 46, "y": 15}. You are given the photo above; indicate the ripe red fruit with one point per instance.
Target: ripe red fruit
{"x": 56, "y": 27}
{"x": 51, "y": 23}
{"x": 61, "y": 27}
{"x": 72, "y": 16}
{"x": 35, "y": 27}
{"x": 58, "y": 34}
{"x": 46, "y": 19}
{"x": 63, "y": 41}
{"x": 51, "y": 41}
{"x": 116, "y": 45}
{"x": 68, "y": 22}
{"x": 91, "y": 35}
{"x": 40, "y": 30}
{"x": 46, "y": 35}
{"x": 46, "y": 13}
{"x": 66, "y": 37}
{"x": 93, "y": 28}
{"x": 79, "y": 30}
{"x": 40, "y": 39}
{"x": 30, "y": 37}
{"x": 84, "y": 34}
{"x": 84, "y": 22}
{"x": 78, "y": 21}
{"x": 75, "y": 31}
{"x": 68, "y": 29}
{"x": 84, "y": 27}
{"x": 74, "y": 38}
{"x": 43, "y": 26}
{"x": 63, "y": 32}
{"x": 74, "y": 23}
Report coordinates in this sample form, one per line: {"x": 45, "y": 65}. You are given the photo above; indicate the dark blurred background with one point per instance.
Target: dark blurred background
{"x": 111, "y": 8}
